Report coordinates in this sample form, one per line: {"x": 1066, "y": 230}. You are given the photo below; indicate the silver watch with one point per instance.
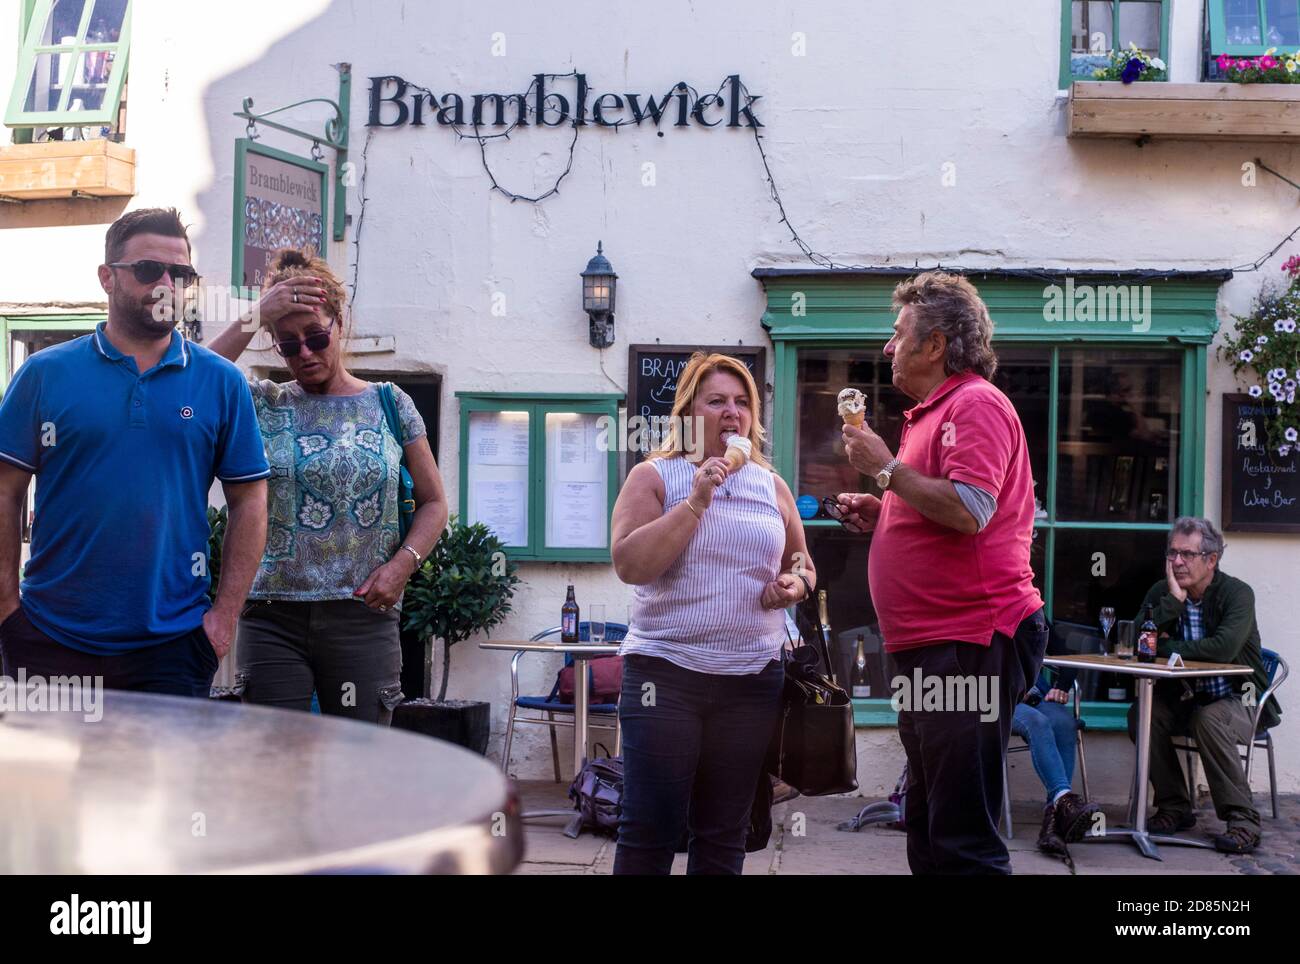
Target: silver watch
{"x": 887, "y": 473}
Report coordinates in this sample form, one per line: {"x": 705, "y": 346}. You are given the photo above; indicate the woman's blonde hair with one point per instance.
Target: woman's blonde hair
{"x": 304, "y": 262}
{"x": 699, "y": 367}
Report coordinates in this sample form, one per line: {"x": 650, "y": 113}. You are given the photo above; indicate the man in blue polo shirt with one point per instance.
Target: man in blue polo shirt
{"x": 124, "y": 430}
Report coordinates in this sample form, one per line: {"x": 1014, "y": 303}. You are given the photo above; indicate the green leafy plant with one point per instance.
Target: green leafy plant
{"x": 217, "y": 519}
{"x": 1264, "y": 351}
{"x": 463, "y": 588}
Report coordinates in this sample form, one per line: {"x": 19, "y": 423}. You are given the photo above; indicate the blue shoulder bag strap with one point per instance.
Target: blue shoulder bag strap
{"x": 405, "y": 485}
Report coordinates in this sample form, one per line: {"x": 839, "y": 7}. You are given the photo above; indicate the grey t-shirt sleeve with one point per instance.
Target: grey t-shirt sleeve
{"x": 977, "y": 502}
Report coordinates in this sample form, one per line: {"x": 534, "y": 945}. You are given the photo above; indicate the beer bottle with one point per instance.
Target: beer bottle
{"x": 861, "y": 681}
{"x": 1147, "y": 638}
{"x": 569, "y": 619}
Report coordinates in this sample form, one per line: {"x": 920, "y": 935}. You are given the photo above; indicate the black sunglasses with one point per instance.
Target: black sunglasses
{"x": 834, "y": 510}
{"x": 317, "y": 341}
{"x": 147, "y": 271}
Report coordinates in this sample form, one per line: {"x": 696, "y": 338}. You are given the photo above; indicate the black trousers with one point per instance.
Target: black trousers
{"x": 954, "y": 726}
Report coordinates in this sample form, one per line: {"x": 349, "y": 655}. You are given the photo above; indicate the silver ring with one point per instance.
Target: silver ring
{"x": 295, "y": 297}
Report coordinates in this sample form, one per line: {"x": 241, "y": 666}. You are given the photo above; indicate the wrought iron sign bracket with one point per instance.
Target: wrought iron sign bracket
{"x": 335, "y": 137}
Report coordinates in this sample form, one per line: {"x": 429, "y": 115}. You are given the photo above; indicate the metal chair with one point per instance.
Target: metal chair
{"x": 551, "y": 705}
{"x": 1276, "y": 668}
{"x": 1079, "y": 727}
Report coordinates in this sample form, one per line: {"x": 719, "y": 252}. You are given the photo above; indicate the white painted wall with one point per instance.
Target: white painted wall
{"x": 857, "y": 131}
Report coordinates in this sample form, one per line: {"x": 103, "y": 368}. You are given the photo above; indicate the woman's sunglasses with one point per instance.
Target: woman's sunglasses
{"x": 148, "y": 271}
{"x": 317, "y": 341}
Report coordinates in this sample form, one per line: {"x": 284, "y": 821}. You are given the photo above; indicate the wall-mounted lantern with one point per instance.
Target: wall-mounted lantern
{"x": 598, "y": 284}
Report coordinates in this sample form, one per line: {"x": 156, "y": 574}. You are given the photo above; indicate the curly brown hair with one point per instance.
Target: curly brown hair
{"x": 951, "y": 305}
{"x": 304, "y": 262}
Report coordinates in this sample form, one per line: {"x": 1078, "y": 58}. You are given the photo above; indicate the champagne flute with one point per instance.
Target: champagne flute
{"x": 1107, "y": 620}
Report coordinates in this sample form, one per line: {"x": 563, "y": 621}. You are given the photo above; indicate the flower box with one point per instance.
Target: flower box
{"x": 1254, "y": 112}
{"x": 63, "y": 169}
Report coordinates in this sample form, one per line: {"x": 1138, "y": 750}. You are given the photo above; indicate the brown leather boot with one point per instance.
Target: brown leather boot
{"x": 1049, "y": 841}
{"x": 1074, "y": 816}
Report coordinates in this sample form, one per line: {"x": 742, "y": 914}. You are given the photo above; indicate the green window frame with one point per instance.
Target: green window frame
{"x": 809, "y": 310}
{"x": 34, "y": 16}
{"x": 1066, "y": 77}
{"x": 78, "y": 324}
{"x": 1216, "y": 14}
{"x": 538, "y": 405}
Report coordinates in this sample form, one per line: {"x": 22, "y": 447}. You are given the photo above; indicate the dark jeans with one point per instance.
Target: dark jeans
{"x": 348, "y": 653}
{"x": 954, "y": 760}
{"x": 691, "y": 760}
{"x": 183, "y": 666}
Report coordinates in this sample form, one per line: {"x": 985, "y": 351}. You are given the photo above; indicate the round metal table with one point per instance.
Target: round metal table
{"x": 164, "y": 785}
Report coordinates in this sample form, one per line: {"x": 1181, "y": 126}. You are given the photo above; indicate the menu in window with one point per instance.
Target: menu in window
{"x": 497, "y": 469}
{"x": 577, "y": 494}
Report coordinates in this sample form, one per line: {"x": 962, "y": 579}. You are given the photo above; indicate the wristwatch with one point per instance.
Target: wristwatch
{"x": 885, "y": 474}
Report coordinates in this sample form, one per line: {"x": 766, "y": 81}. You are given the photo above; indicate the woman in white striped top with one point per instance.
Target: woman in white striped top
{"x": 715, "y": 556}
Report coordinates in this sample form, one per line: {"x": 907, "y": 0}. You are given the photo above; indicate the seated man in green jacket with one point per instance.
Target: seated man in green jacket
{"x": 1204, "y": 614}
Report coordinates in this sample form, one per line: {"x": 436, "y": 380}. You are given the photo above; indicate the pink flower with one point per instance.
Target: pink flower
{"x": 1224, "y": 61}
{"x": 1267, "y": 63}
{"x": 1243, "y": 65}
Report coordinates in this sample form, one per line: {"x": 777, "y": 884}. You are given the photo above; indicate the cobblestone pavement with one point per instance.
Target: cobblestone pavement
{"x": 805, "y": 841}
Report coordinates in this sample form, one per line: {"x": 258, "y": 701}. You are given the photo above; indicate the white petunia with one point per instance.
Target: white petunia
{"x": 1284, "y": 450}
{"x": 1291, "y": 434}
{"x": 1255, "y": 391}
{"x": 1247, "y": 355}
{"x": 1157, "y": 63}
{"x": 1262, "y": 339}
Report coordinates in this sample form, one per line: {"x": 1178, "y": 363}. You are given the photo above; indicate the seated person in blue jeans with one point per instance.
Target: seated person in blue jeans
{"x": 1048, "y": 726}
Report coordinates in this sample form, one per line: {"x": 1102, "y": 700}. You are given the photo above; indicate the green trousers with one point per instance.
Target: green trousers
{"x": 1219, "y": 729}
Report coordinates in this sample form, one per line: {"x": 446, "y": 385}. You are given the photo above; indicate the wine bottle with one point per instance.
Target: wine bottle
{"x": 861, "y": 679}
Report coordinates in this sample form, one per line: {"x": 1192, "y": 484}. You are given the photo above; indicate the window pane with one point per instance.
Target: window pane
{"x": 1139, "y": 23}
{"x": 821, "y": 468}
{"x": 1024, "y": 376}
{"x": 1104, "y": 568}
{"x": 46, "y": 85}
{"x": 498, "y": 474}
{"x": 1090, "y": 37}
{"x": 91, "y": 80}
{"x": 1283, "y": 17}
{"x": 577, "y": 476}
{"x": 64, "y": 22}
{"x": 106, "y": 22}
{"x": 1118, "y": 430}
{"x": 1241, "y": 22}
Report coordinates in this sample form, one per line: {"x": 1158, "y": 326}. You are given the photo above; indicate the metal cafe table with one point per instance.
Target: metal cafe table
{"x": 1146, "y": 674}
{"x": 582, "y": 653}
{"x": 165, "y": 785}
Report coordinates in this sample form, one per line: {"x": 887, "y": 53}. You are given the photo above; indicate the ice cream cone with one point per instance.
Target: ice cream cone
{"x": 852, "y": 406}
{"x": 738, "y": 452}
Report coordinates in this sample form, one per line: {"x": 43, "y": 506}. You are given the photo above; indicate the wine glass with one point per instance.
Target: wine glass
{"x": 1107, "y": 620}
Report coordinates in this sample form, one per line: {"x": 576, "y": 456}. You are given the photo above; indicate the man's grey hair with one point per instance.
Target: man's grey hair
{"x": 1211, "y": 538}
{"x": 950, "y": 305}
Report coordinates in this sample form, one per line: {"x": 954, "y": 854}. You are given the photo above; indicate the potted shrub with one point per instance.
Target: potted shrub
{"x": 463, "y": 588}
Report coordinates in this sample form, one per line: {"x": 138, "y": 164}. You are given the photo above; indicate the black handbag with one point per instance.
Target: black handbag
{"x": 813, "y": 748}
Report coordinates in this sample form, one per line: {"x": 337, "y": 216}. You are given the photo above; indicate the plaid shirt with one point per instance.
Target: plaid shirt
{"x": 1208, "y": 687}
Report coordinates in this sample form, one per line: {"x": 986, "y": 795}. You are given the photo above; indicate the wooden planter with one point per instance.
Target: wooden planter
{"x": 1258, "y": 112}
{"x": 62, "y": 169}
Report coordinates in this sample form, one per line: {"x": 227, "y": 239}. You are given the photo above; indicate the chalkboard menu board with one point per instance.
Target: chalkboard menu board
{"x": 1261, "y": 490}
{"x": 652, "y": 372}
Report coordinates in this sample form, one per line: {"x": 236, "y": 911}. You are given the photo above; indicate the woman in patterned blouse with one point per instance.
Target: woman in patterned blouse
{"x": 324, "y": 610}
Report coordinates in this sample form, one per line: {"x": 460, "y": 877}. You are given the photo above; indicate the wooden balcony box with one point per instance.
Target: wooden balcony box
{"x": 1213, "y": 111}
{"x": 63, "y": 169}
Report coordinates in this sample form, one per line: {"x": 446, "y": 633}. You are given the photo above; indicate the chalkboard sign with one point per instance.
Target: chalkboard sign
{"x": 652, "y": 372}
{"x": 1261, "y": 490}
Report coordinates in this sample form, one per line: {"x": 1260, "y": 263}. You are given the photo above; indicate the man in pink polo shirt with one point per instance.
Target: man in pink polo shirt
{"x": 949, "y": 571}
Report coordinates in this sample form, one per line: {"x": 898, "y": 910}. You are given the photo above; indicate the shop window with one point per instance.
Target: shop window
{"x": 1250, "y": 27}
{"x": 1103, "y": 500}
{"x": 72, "y": 68}
{"x": 540, "y": 471}
{"x": 1091, "y": 30}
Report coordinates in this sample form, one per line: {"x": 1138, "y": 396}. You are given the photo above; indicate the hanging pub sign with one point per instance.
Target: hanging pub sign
{"x": 1261, "y": 489}
{"x": 280, "y": 202}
